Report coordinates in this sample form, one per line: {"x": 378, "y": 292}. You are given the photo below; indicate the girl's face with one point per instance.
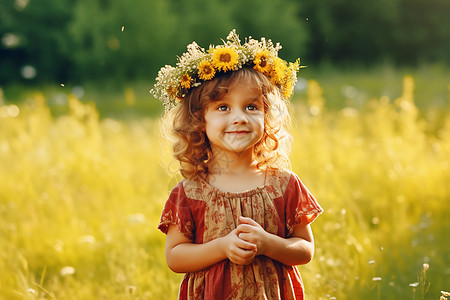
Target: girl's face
{"x": 235, "y": 123}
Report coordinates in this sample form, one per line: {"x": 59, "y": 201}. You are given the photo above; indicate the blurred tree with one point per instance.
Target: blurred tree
{"x": 115, "y": 39}
{"x": 423, "y": 31}
{"x": 37, "y": 38}
{"x": 83, "y": 40}
{"x": 203, "y": 21}
{"x": 274, "y": 19}
{"x": 402, "y": 31}
{"x": 350, "y": 30}
{"x": 207, "y": 21}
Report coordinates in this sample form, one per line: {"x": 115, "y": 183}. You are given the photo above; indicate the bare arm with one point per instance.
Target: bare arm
{"x": 295, "y": 250}
{"x": 184, "y": 256}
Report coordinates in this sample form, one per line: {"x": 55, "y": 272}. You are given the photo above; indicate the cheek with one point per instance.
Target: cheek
{"x": 212, "y": 128}
{"x": 259, "y": 122}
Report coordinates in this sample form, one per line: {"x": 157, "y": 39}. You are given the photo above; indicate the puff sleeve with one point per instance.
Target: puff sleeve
{"x": 177, "y": 211}
{"x": 301, "y": 206}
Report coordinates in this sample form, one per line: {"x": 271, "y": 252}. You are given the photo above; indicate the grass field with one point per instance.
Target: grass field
{"x": 81, "y": 194}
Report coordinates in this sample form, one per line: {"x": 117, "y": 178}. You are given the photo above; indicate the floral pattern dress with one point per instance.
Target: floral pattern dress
{"x": 203, "y": 213}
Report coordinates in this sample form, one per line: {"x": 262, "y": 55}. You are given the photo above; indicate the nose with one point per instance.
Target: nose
{"x": 240, "y": 118}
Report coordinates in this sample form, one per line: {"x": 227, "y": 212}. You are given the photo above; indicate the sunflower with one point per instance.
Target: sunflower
{"x": 185, "y": 81}
{"x": 261, "y": 62}
{"x": 206, "y": 71}
{"x": 225, "y": 59}
{"x": 279, "y": 70}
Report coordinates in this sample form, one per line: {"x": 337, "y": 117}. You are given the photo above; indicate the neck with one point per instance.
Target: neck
{"x": 224, "y": 162}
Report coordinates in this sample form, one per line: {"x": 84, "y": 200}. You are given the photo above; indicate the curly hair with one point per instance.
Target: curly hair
{"x": 191, "y": 146}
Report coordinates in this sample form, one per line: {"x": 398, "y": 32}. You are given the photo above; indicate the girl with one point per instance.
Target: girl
{"x": 239, "y": 222}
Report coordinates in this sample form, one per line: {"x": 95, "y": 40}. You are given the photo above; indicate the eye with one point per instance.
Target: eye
{"x": 222, "y": 108}
{"x": 252, "y": 107}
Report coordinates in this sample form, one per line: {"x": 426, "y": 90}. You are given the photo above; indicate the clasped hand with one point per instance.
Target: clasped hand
{"x": 245, "y": 242}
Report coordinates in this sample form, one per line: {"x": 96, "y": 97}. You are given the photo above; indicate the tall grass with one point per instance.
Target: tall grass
{"x": 80, "y": 199}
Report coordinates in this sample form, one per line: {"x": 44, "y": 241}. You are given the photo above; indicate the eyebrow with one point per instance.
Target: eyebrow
{"x": 246, "y": 99}
{"x": 258, "y": 98}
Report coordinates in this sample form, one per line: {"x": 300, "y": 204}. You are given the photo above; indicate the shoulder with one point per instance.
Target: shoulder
{"x": 280, "y": 179}
{"x": 178, "y": 188}
{"x": 187, "y": 191}
{"x": 195, "y": 188}
{"x": 287, "y": 181}
{"x": 282, "y": 176}
{"x": 177, "y": 194}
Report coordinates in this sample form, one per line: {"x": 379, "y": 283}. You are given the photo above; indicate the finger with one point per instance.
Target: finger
{"x": 242, "y": 244}
{"x": 245, "y": 245}
{"x": 244, "y": 228}
{"x": 248, "y": 257}
{"x": 243, "y": 257}
{"x": 242, "y": 261}
{"x": 250, "y": 221}
{"x": 236, "y": 259}
{"x": 247, "y": 237}
{"x": 245, "y": 254}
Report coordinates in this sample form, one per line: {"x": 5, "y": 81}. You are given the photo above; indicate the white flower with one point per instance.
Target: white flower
{"x": 67, "y": 270}
{"x": 377, "y": 279}
{"x": 86, "y": 239}
{"x": 136, "y": 218}
{"x": 31, "y": 291}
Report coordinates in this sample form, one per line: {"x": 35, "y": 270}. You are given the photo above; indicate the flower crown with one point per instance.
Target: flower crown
{"x": 197, "y": 65}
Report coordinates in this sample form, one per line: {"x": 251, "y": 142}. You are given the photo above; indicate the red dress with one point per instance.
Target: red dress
{"x": 203, "y": 213}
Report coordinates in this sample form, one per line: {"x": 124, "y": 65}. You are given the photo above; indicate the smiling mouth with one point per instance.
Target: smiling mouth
{"x": 238, "y": 132}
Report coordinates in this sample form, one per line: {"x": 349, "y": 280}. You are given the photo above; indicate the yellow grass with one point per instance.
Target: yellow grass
{"x": 80, "y": 200}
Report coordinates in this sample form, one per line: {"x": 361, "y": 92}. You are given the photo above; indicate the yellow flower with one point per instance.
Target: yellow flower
{"x": 224, "y": 59}
{"x": 262, "y": 62}
{"x": 287, "y": 88}
{"x": 206, "y": 71}
{"x": 186, "y": 81}
{"x": 279, "y": 70}
{"x": 172, "y": 91}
